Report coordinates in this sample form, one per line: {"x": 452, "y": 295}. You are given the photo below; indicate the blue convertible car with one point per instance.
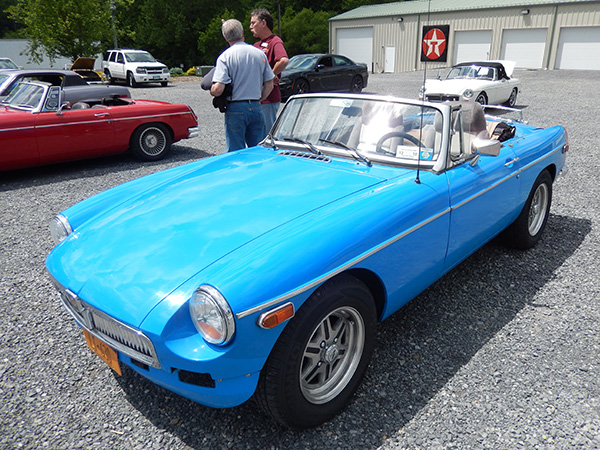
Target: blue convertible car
{"x": 264, "y": 272}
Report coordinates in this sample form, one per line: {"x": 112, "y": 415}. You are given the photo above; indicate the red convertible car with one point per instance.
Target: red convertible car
{"x": 37, "y": 128}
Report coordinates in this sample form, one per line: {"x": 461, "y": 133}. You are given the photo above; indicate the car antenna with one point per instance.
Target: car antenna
{"x": 418, "y": 178}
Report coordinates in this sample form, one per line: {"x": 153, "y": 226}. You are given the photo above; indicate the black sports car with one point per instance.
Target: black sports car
{"x": 319, "y": 72}
{"x": 75, "y": 88}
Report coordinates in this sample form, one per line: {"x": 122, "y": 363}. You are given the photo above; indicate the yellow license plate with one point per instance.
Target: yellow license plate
{"x": 107, "y": 354}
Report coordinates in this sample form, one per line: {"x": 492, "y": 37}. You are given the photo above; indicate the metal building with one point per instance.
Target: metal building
{"x": 537, "y": 34}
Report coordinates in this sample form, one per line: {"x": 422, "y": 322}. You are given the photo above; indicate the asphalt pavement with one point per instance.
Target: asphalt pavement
{"x": 501, "y": 353}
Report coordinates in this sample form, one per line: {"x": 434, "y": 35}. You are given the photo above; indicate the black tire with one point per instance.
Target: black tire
{"x": 320, "y": 358}
{"x": 301, "y": 86}
{"x": 482, "y": 98}
{"x": 512, "y": 100}
{"x": 527, "y": 230}
{"x": 131, "y": 80}
{"x": 150, "y": 142}
{"x": 357, "y": 84}
{"x": 164, "y": 83}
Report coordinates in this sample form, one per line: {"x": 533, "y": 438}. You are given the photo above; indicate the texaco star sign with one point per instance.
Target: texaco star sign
{"x": 434, "y": 43}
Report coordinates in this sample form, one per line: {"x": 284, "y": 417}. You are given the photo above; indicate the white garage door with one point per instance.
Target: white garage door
{"x": 526, "y": 47}
{"x": 579, "y": 48}
{"x": 356, "y": 44}
{"x": 472, "y": 46}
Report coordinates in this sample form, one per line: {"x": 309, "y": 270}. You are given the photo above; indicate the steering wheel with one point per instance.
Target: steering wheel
{"x": 393, "y": 134}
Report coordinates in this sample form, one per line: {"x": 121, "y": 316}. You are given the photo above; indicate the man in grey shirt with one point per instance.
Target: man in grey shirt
{"x": 251, "y": 77}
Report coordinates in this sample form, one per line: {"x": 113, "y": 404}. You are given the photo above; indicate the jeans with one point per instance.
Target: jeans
{"x": 244, "y": 125}
{"x": 270, "y": 112}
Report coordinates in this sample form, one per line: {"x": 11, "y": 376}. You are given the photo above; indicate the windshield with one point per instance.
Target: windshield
{"x": 24, "y": 96}
{"x": 480, "y": 72}
{"x": 139, "y": 57}
{"x": 302, "y": 62}
{"x": 7, "y": 64}
{"x": 378, "y": 130}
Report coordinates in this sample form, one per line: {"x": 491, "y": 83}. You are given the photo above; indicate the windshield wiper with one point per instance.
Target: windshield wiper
{"x": 269, "y": 142}
{"x": 307, "y": 144}
{"x": 355, "y": 153}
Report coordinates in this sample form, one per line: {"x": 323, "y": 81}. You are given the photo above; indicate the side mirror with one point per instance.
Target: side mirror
{"x": 63, "y": 106}
{"x": 488, "y": 147}
{"x": 320, "y": 66}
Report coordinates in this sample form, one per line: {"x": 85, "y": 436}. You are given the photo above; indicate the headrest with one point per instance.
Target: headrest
{"x": 472, "y": 118}
{"x": 80, "y": 105}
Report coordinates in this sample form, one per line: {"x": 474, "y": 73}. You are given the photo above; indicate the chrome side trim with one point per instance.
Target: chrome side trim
{"x": 360, "y": 258}
{"x": 108, "y": 119}
{"x": 340, "y": 269}
{"x": 508, "y": 177}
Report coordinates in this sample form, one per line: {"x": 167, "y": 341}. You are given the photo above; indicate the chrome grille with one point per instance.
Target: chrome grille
{"x": 153, "y": 70}
{"x": 441, "y": 97}
{"x": 305, "y": 155}
{"x": 109, "y": 330}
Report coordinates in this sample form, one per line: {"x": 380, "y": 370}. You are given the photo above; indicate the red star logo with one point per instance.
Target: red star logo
{"x": 434, "y": 43}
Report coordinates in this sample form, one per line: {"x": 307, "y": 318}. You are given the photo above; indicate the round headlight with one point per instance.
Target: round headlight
{"x": 468, "y": 93}
{"x": 212, "y": 315}
{"x": 60, "y": 228}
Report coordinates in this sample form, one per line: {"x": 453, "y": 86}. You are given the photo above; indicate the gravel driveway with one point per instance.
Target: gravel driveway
{"x": 501, "y": 353}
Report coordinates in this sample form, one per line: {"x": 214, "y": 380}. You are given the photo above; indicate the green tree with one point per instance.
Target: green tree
{"x": 210, "y": 40}
{"x": 8, "y": 27}
{"x": 305, "y": 32}
{"x": 68, "y": 28}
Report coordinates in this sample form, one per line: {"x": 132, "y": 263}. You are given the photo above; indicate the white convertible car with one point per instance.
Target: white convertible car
{"x": 488, "y": 83}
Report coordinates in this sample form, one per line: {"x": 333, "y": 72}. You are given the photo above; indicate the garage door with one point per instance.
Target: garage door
{"x": 356, "y": 44}
{"x": 472, "y": 46}
{"x": 526, "y": 47}
{"x": 579, "y": 48}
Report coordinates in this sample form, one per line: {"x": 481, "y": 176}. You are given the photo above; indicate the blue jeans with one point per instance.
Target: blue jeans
{"x": 270, "y": 112}
{"x": 244, "y": 125}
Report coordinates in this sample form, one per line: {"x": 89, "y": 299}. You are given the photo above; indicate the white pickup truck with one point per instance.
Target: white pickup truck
{"x": 134, "y": 67}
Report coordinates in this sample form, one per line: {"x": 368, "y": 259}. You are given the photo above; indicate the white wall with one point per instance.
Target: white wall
{"x": 15, "y": 50}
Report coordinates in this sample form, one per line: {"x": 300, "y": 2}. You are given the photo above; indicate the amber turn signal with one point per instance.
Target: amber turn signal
{"x": 271, "y": 319}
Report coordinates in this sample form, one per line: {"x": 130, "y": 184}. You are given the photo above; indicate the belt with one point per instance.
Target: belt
{"x": 243, "y": 101}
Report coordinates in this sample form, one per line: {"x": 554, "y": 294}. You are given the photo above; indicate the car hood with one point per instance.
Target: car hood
{"x": 509, "y": 66}
{"x": 83, "y": 64}
{"x": 127, "y": 259}
{"x": 292, "y": 72}
{"x": 456, "y": 86}
{"x": 147, "y": 64}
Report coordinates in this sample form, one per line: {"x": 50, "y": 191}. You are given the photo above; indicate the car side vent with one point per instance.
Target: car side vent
{"x": 305, "y": 155}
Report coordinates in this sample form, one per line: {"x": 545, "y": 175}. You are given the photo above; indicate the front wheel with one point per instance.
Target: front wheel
{"x": 301, "y": 86}
{"x": 131, "y": 80}
{"x": 482, "y": 98}
{"x": 150, "y": 142}
{"x": 527, "y": 230}
{"x": 321, "y": 356}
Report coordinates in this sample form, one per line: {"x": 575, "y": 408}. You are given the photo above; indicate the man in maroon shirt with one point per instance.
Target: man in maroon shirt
{"x": 261, "y": 25}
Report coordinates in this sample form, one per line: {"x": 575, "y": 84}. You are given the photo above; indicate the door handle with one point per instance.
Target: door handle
{"x": 100, "y": 114}
{"x": 508, "y": 163}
